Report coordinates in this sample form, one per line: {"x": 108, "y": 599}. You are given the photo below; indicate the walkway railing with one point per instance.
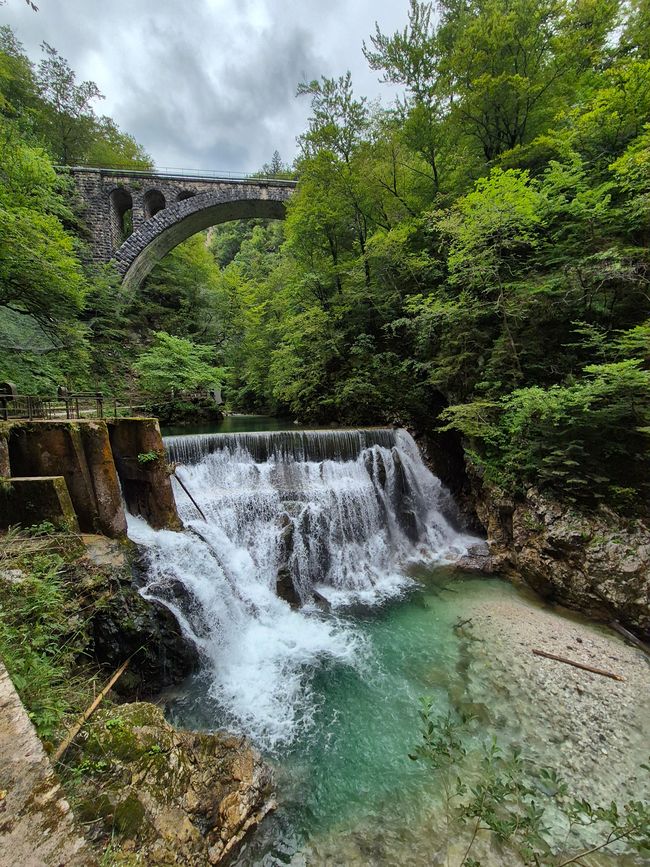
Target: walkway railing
{"x": 77, "y": 405}
{"x": 95, "y": 404}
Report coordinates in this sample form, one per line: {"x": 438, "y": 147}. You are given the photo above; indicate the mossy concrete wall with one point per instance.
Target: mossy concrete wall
{"x": 37, "y": 826}
{"x": 30, "y": 501}
{"x": 99, "y": 461}
{"x": 142, "y": 467}
{"x": 80, "y": 451}
{"x": 4, "y": 450}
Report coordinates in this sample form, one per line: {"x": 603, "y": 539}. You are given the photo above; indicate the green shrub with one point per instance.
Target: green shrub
{"x": 587, "y": 442}
{"x": 42, "y": 632}
{"x": 487, "y": 789}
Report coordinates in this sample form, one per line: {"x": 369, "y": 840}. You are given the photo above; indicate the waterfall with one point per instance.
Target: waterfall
{"x": 300, "y": 445}
{"x": 330, "y": 515}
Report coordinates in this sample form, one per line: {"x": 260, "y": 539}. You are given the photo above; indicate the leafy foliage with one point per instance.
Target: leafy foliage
{"x": 42, "y": 629}
{"x": 586, "y": 441}
{"x": 173, "y": 363}
{"x": 516, "y": 801}
{"x": 482, "y": 244}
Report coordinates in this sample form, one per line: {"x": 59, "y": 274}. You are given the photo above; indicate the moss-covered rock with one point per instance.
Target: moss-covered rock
{"x": 174, "y": 797}
{"x": 124, "y": 624}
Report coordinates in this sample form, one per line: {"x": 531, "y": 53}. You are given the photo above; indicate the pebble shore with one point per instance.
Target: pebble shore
{"x": 592, "y": 729}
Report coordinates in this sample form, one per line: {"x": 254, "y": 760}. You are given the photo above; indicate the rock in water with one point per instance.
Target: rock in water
{"x": 175, "y": 797}
{"x": 286, "y": 590}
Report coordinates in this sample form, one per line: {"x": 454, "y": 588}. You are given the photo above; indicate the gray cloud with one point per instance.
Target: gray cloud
{"x": 208, "y": 83}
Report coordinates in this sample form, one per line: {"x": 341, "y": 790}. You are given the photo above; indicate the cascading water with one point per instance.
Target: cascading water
{"x": 338, "y": 514}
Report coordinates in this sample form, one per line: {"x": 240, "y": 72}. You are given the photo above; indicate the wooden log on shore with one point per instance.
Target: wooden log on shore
{"x": 578, "y": 665}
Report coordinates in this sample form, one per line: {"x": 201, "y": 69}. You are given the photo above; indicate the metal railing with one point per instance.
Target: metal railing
{"x": 75, "y": 405}
{"x": 92, "y": 404}
{"x": 188, "y": 174}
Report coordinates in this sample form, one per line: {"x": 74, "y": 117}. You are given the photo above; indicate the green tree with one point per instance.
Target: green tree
{"x": 111, "y": 147}
{"x": 40, "y": 274}
{"x": 69, "y": 118}
{"x": 338, "y": 119}
{"x": 506, "y": 63}
{"x": 18, "y": 89}
{"x": 410, "y": 57}
{"x": 175, "y": 364}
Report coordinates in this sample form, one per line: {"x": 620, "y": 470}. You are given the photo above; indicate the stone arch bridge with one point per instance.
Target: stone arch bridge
{"x": 135, "y": 217}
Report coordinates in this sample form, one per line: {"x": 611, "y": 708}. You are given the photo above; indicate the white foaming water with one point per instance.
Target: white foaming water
{"x": 338, "y": 512}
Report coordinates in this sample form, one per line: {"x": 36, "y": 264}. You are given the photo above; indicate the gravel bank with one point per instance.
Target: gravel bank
{"x": 591, "y": 728}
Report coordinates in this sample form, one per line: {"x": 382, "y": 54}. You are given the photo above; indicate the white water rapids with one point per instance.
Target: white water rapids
{"x": 340, "y": 512}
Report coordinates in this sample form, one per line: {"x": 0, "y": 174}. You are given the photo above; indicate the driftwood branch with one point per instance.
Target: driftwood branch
{"x": 460, "y": 623}
{"x": 85, "y": 716}
{"x": 578, "y": 665}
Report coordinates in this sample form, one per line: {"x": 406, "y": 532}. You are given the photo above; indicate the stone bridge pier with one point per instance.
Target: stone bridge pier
{"x": 135, "y": 218}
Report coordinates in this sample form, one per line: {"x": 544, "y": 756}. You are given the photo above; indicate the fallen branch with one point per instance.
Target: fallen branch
{"x": 196, "y": 505}
{"x": 76, "y": 728}
{"x": 578, "y": 665}
{"x": 630, "y": 637}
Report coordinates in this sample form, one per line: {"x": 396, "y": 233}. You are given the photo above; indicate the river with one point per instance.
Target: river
{"x": 330, "y": 695}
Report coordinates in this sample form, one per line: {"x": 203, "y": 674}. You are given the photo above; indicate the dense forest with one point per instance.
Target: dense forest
{"x": 475, "y": 256}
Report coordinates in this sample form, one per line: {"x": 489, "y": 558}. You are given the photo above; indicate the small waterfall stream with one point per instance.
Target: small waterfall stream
{"x": 341, "y": 514}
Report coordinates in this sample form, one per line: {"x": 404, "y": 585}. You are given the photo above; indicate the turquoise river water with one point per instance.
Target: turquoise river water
{"x": 331, "y": 696}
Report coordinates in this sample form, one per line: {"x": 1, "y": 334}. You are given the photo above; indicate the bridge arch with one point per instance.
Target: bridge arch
{"x": 172, "y": 225}
{"x": 154, "y": 201}
{"x": 121, "y": 205}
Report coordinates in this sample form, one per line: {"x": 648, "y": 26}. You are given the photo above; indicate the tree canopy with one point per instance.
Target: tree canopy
{"x": 472, "y": 257}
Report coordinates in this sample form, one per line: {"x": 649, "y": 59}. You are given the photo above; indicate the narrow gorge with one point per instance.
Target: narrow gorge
{"x": 325, "y": 433}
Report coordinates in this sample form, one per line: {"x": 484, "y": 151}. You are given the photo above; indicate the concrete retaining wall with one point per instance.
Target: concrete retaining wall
{"x": 80, "y": 451}
{"x": 37, "y": 826}
{"x": 145, "y": 483}
{"x": 94, "y": 457}
{"x": 33, "y": 500}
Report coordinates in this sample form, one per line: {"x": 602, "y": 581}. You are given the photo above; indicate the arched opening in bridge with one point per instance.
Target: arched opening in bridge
{"x": 121, "y": 209}
{"x": 154, "y": 201}
{"x": 185, "y": 194}
{"x": 182, "y": 219}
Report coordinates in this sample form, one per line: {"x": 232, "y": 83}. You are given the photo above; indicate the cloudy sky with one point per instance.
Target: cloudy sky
{"x": 209, "y": 84}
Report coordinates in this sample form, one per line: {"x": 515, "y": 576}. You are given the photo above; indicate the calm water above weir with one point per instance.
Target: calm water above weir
{"x": 232, "y": 424}
{"x": 331, "y": 696}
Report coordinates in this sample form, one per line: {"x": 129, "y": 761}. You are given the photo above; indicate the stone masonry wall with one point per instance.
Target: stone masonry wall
{"x": 196, "y": 203}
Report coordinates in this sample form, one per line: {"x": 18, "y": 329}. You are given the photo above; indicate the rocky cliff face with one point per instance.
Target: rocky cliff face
{"x": 172, "y": 797}
{"x": 598, "y": 564}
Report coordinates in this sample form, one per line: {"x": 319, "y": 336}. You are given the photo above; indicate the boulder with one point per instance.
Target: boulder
{"x": 285, "y": 588}
{"x": 172, "y": 796}
{"x": 125, "y": 625}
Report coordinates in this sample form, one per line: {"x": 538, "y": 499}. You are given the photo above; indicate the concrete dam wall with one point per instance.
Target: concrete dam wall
{"x": 83, "y": 473}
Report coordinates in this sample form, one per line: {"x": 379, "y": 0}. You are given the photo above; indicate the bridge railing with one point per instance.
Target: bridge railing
{"x": 186, "y": 174}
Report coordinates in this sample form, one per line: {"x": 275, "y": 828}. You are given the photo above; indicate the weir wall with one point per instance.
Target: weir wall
{"x": 106, "y": 464}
